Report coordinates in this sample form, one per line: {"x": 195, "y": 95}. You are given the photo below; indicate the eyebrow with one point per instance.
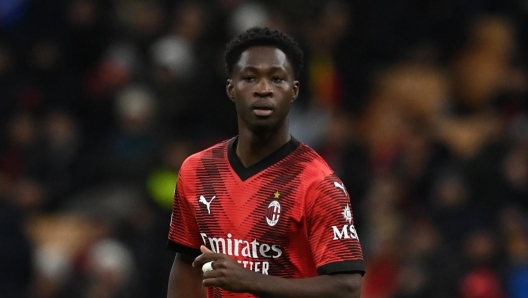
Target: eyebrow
{"x": 271, "y": 69}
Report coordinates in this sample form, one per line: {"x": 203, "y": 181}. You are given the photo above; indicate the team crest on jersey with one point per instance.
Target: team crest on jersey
{"x": 273, "y": 213}
{"x": 347, "y": 213}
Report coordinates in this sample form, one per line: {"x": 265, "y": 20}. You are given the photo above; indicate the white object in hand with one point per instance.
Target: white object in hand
{"x": 207, "y": 266}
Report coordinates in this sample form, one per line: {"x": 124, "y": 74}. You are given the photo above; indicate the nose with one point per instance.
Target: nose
{"x": 263, "y": 89}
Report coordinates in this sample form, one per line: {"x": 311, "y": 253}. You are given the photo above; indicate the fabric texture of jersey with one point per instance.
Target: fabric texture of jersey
{"x": 288, "y": 215}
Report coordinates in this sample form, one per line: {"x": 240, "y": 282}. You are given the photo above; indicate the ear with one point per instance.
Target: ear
{"x": 296, "y": 86}
{"x": 230, "y": 89}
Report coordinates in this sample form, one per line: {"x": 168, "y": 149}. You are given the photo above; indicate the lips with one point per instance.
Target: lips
{"x": 262, "y": 112}
{"x": 262, "y": 109}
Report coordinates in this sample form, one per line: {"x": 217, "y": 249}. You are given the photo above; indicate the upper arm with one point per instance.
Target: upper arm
{"x": 350, "y": 283}
{"x": 332, "y": 235}
{"x": 185, "y": 280}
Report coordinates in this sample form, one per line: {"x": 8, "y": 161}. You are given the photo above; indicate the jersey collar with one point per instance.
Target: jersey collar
{"x": 245, "y": 173}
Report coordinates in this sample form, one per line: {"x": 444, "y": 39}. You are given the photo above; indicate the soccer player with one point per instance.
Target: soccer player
{"x": 265, "y": 208}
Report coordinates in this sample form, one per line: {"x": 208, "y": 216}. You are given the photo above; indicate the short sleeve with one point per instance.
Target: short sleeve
{"x": 183, "y": 233}
{"x": 333, "y": 238}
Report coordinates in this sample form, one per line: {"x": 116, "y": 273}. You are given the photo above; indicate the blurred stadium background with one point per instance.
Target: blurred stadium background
{"x": 420, "y": 106}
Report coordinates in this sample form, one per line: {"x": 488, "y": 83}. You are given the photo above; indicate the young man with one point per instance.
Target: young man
{"x": 266, "y": 209}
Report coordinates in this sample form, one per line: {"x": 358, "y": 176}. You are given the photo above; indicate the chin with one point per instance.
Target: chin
{"x": 262, "y": 129}
{"x": 265, "y": 126}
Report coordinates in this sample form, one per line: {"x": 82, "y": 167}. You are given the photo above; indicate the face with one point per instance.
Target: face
{"x": 263, "y": 87}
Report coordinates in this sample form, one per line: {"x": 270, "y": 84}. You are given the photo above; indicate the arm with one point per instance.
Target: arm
{"x": 231, "y": 276}
{"x": 185, "y": 280}
{"x": 338, "y": 285}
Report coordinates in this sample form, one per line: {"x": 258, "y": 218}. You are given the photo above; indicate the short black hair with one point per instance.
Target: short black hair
{"x": 263, "y": 36}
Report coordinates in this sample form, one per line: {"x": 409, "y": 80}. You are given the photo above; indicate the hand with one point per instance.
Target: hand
{"x": 226, "y": 274}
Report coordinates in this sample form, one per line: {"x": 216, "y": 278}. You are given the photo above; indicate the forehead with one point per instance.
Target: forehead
{"x": 263, "y": 57}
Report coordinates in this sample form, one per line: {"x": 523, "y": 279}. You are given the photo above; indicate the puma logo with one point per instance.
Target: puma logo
{"x": 208, "y": 204}
{"x": 338, "y": 185}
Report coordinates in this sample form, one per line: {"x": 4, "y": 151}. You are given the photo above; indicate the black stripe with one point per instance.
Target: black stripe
{"x": 183, "y": 249}
{"x": 342, "y": 267}
{"x": 245, "y": 173}
{"x": 211, "y": 166}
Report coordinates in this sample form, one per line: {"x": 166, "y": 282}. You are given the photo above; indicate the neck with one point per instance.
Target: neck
{"x": 252, "y": 148}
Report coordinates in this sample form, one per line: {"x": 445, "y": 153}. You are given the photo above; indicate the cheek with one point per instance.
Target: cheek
{"x": 242, "y": 87}
{"x": 286, "y": 103}
{"x": 239, "y": 105}
{"x": 287, "y": 94}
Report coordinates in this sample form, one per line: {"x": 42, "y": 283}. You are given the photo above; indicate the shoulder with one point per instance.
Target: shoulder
{"x": 217, "y": 151}
{"x": 314, "y": 165}
{"x": 318, "y": 177}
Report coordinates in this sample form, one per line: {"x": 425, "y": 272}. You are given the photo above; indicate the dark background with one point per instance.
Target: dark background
{"x": 419, "y": 106}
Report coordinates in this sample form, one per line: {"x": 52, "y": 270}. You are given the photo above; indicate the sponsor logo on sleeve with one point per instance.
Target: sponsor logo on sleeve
{"x": 346, "y": 231}
{"x": 347, "y": 213}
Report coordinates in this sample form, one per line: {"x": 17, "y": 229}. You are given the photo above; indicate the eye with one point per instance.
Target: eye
{"x": 277, "y": 80}
{"x": 248, "y": 79}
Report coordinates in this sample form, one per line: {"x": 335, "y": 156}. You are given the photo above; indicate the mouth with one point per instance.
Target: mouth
{"x": 262, "y": 110}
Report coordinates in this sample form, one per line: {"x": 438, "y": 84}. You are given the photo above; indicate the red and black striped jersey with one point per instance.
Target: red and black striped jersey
{"x": 288, "y": 215}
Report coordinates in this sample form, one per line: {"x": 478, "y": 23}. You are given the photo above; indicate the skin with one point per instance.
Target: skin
{"x": 263, "y": 76}
{"x": 184, "y": 279}
{"x": 262, "y": 80}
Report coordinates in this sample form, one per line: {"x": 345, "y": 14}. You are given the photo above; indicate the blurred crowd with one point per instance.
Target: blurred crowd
{"x": 421, "y": 107}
